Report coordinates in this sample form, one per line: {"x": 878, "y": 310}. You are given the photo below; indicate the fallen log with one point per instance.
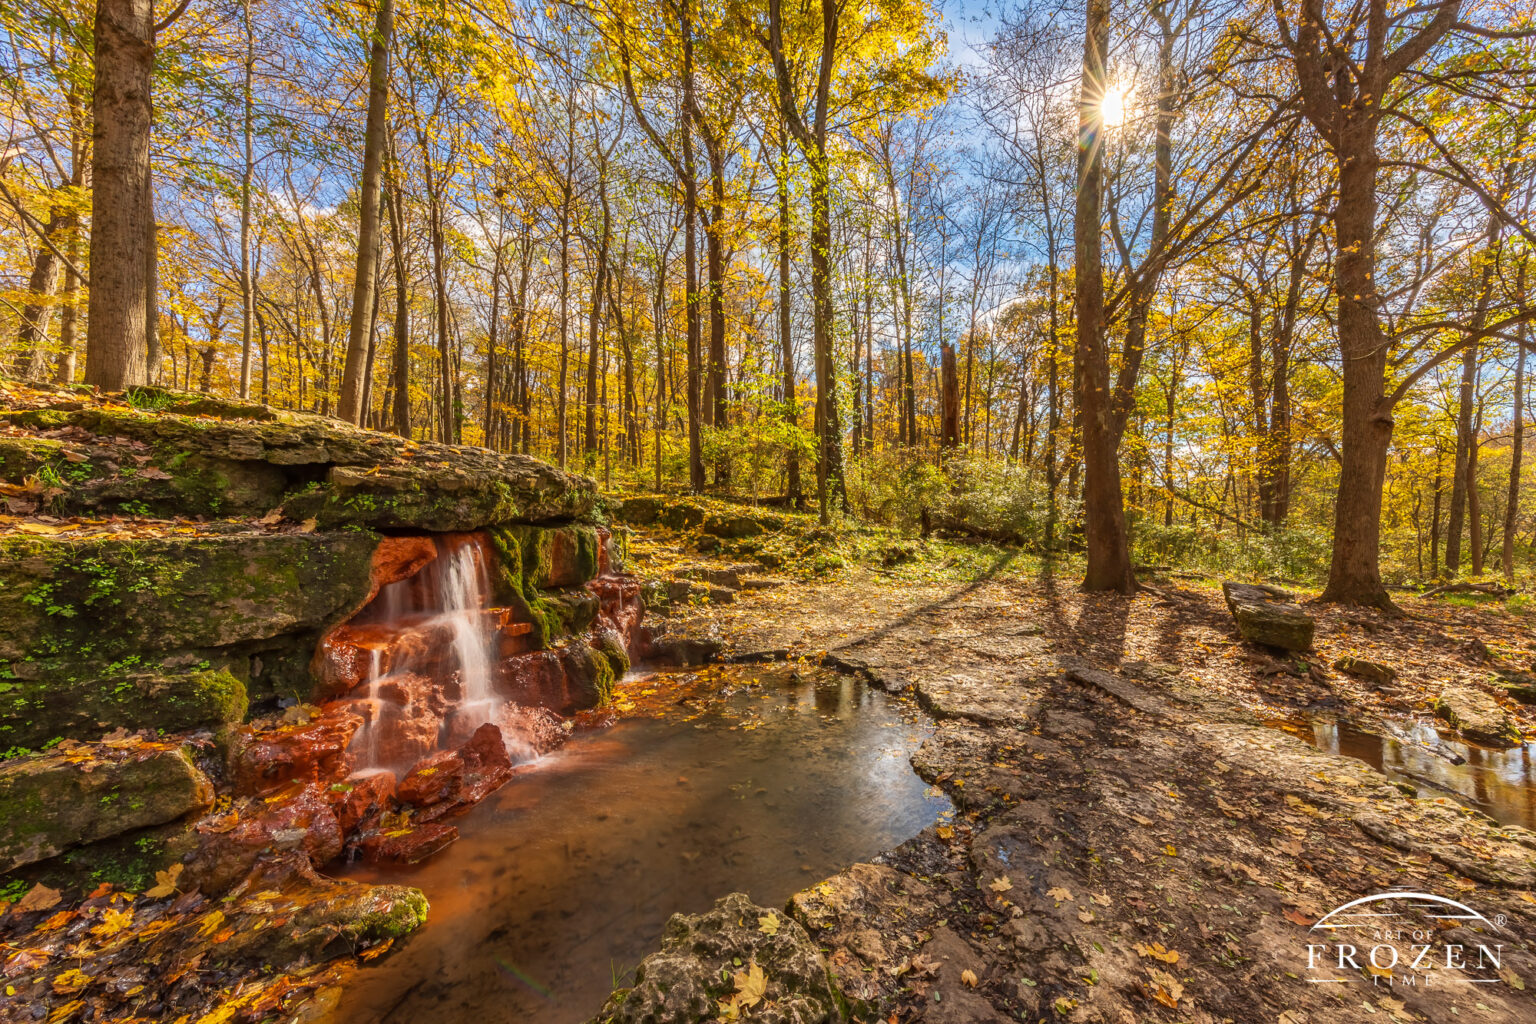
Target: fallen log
{"x": 1491, "y": 589}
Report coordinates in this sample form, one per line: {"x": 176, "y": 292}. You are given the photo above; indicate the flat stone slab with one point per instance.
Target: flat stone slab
{"x": 1372, "y": 671}
{"x": 53, "y": 802}
{"x": 1476, "y": 716}
{"x": 1268, "y": 615}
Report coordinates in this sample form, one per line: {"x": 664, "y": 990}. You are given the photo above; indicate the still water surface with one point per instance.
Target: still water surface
{"x": 759, "y": 779}
{"x": 1500, "y": 783}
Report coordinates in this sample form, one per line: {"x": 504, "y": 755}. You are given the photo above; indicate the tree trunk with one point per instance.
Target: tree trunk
{"x": 793, "y": 496}
{"x": 69, "y": 315}
{"x": 1466, "y": 399}
{"x": 1516, "y": 455}
{"x": 519, "y": 434}
{"x": 1434, "y": 523}
{"x": 247, "y": 175}
{"x": 116, "y": 345}
{"x": 32, "y": 340}
{"x": 715, "y": 398}
{"x": 949, "y": 428}
{"x": 489, "y": 420}
{"x": 351, "y": 407}
{"x": 402, "y": 332}
{"x": 691, "y": 255}
{"x": 1475, "y": 498}
{"x": 1354, "y": 575}
{"x": 1108, "y": 542}
{"x": 589, "y": 444}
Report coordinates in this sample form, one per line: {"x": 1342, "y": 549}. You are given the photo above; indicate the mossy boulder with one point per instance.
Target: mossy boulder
{"x": 1519, "y": 686}
{"x": 52, "y": 802}
{"x": 329, "y": 919}
{"x": 107, "y": 597}
{"x": 703, "y": 955}
{"x": 610, "y": 645}
{"x": 532, "y": 559}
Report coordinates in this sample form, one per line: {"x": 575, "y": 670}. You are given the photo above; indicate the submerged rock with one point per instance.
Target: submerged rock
{"x": 1268, "y": 615}
{"x": 52, "y": 802}
{"x": 1476, "y": 716}
{"x": 729, "y": 956}
{"x": 410, "y": 844}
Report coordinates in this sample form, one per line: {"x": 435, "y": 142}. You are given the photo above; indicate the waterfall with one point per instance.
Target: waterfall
{"x": 430, "y": 643}
{"x": 463, "y": 597}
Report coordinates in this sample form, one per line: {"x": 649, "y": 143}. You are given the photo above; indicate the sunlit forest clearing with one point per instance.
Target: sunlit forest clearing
{"x": 646, "y": 511}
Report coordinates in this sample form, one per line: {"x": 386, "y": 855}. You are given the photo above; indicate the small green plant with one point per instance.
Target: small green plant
{"x": 149, "y": 399}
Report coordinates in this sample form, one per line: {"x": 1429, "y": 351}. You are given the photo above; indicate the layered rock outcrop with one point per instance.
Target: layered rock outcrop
{"x": 182, "y": 575}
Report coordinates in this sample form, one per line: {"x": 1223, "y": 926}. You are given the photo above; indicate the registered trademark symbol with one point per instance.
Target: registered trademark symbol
{"x": 1499, "y": 919}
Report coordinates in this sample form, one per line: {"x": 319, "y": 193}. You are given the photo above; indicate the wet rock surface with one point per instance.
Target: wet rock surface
{"x": 181, "y": 955}
{"x": 171, "y": 565}
{"x": 1477, "y": 716}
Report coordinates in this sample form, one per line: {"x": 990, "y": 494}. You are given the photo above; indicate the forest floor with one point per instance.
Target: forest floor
{"x": 1134, "y": 839}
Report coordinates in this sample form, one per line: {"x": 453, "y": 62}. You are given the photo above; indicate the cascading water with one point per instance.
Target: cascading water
{"x": 430, "y": 641}
{"x": 464, "y": 587}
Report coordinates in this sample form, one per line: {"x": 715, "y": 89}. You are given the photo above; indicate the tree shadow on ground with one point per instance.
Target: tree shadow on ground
{"x": 991, "y": 574}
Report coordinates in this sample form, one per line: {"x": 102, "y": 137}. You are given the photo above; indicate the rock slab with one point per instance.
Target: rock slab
{"x": 1268, "y": 615}
{"x": 1476, "y": 716}
{"x": 702, "y": 955}
{"x": 52, "y": 802}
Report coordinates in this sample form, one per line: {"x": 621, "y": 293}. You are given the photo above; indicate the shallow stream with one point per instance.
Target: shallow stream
{"x": 1500, "y": 783}
{"x": 759, "y": 779}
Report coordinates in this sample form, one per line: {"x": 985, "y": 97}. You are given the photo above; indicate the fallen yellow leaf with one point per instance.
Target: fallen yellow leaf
{"x": 165, "y": 882}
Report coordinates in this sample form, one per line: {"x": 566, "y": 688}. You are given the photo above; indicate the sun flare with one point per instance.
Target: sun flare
{"x": 1112, "y": 108}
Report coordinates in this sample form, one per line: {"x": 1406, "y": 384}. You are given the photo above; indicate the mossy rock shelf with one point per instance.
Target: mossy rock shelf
{"x": 198, "y": 456}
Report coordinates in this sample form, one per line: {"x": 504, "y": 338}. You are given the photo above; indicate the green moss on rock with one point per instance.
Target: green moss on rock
{"x": 219, "y": 458}
{"x": 94, "y": 598}
{"x": 82, "y": 701}
{"x": 52, "y": 802}
{"x": 611, "y": 646}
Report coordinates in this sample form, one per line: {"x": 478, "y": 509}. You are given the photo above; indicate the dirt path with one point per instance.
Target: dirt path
{"x": 1134, "y": 843}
